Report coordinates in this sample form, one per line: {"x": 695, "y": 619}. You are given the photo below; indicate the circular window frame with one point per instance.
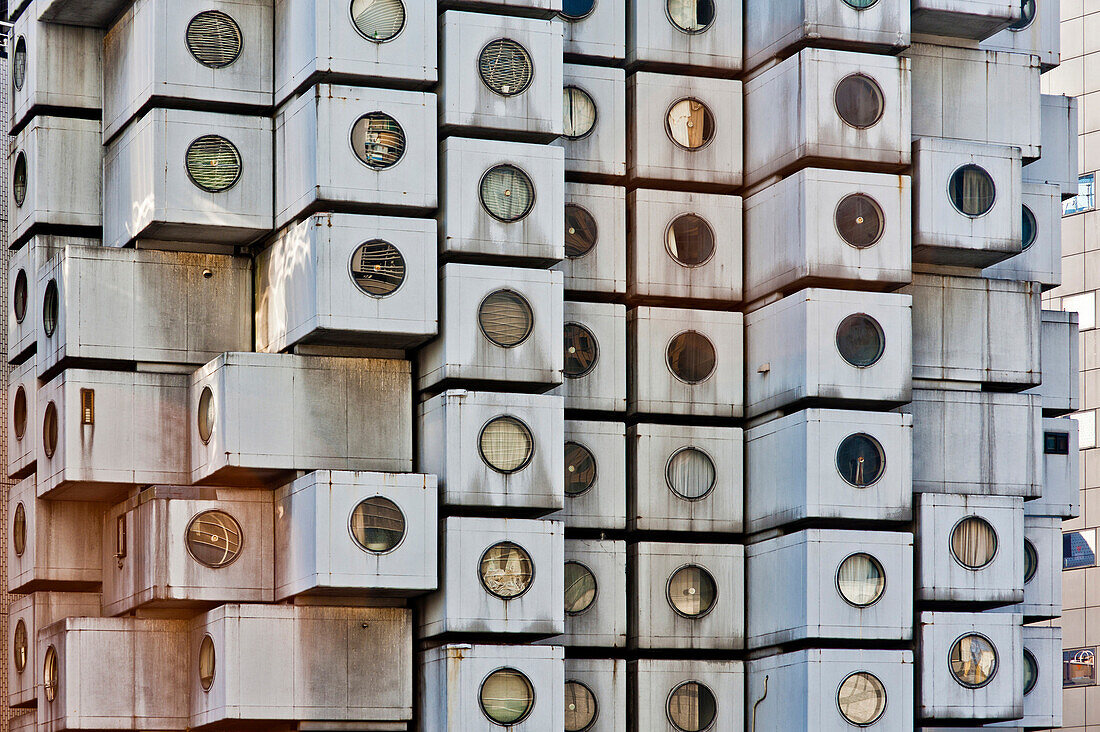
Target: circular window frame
{"x": 481, "y": 577}
{"x": 1030, "y": 547}
{"x": 191, "y": 50}
{"x": 881, "y": 95}
{"x": 203, "y": 188}
{"x": 713, "y": 239}
{"x": 481, "y": 451}
{"x": 187, "y": 534}
{"x": 1016, "y": 27}
{"x": 530, "y": 58}
{"x": 595, "y": 701}
{"x": 51, "y": 308}
{"x": 595, "y": 469}
{"x": 951, "y": 199}
{"x": 1035, "y": 677}
{"x": 881, "y": 332}
{"x": 860, "y": 10}
{"x": 596, "y": 229}
{"x": 51, "y": 663}
{"x": 713, "y": 120}
{"x": 878, "y": 209}
{"x": 668, "y": 593}
{"x": 359, "y": 288}
{"x": 996, "y": 543}
{"x": 668, "y": 478}
{"x": 878, "y": 446}
{"x": 206, "y": 687}
{"x": 596, "y": 594}
{"x": 668, "y": 705}
{"x": 1030, "y": 215}
{"x": 481, "y": 193}
{"x": 361, "y": 34}
{"x": 526, "y": 302}
{"x": 20, "y": 162}
{"x": 595, "y": 108}
{"x": 20, "y": 295}
{"x": 20, "y": 48}
{"x": 885, "y": 699}
{"x": 207, "y": 396}
{"x": 882, "y": 592}
{"x": 20, "y": 662}
{"x": 50, "y": 429}
{"x": 19, "y": 516}
{"x": 404, "y": 527}
{"x": 996, "y": 661}
{"x": 596, "y": 356}
{"x": 481, "y": 697}
{"x": 364, "y": 163}
{"x": 675, "y": 375}
{"x": 685, "y": 31}
{"x": 19, "y": 413}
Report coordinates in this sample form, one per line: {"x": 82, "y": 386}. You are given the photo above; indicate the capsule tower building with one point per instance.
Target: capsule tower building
{"x": 537, "y": 365}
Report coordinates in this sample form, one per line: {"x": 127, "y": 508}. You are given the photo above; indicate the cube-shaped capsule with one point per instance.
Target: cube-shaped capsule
{"x": 829, "y": 346}
{"x": 300, "y": 645}
{"x": 967, "y": 203}
{"x": 595, "y": 240}
{"x": 180, "y": 175}
{"x": 327, "y": 431}
{"x": 974, "y": 96}
{"x": 856, "y": 584}
{"x": 596, "y": 694}
{"x": 775, "y": 29}
{"x": 1058, "y": 347}
{"x": 501, "y": 202}
{"x": 1042, "y": 575}
{"x": 25, "y": 311}
{"x": 26, "y": 615}
{"x": 1059, "y": 161}
{"x": 22, "y": 437}
{"x": 829, "y": 227}
{"x": 594, "y": 366}
{"x": 686, "y": 596}
{"x": 972, "y": 19}
{"x": 1041, "y": 233}
{"x": 500, "y": 75}
{"x": 1043, "y": 696}
{"x": 970, "y": 549}
{"x": 52, "y": 545}
{"x": 467, "y": 687}
{"x": 56, "y": 166}
{"x": 685, "y": 478}
{"x": 187, "y": 547}
{"x": 698, "y": 38}
{"x": 594, "y": 29}
{"x": 348, "y": 280}
{"x": 216, "y": 53}
{"x": 1061, "y": 471}
{"x": 833, "y": 690}
{"x": 501, "y": 576}
{"x": 348, "y": 148}
{"x": 497, "y": 325}
{"x": 827, "y": 107}
{"x": 959, "y": 333}
{"x": 828, "y": 464}
{"x": 393, "y": 42}
{"x": 139, "y": 418}
{"x": 595, "y": 475}
{"x": 971, "y": 666}
{"x": 595, "y": 594}
{"x": 388, "y": 549}
{"x": 594, "y": 118}
{"x": 685, "y": 362}
{"x": 683, "y": 248}
{"x": 53, "y": 66}
{"x": 977, "y": 442}
{"x": 684, "y": 131}
{"x": 494, "y": 452}
{"x": 162, "y": 307}
{"x": 675, "y": 695}
{"x": 1036, "y": 33}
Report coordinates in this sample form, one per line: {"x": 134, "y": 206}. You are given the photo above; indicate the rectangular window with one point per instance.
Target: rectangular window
{"x": 1079, "y": 549}
{"x": 87, "y": 406}
{"x": 1056, "y": 443}
{"x": 1085, "y": 307}
{"x": 1079, "y": 667}
{"x": 1085, "y": 200}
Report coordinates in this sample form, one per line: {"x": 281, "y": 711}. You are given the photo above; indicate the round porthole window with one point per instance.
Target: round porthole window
{"x": 19, "y": 179}
{"x": 973, "y": 660}
{"x": 580, "y": 469}
{"x": 207, "y": 658}
{"x": 506, "y": 570}
{"x": 574, "y": 10}
{"x": 214, "y": 539}
{"x": 691, "y": 707}
{"x": 507, "y": 697}
{"x": 19, "y": 63}
{"x": 861, "y": 698}
{"x": 1027, "y": 15}
{"x": 1031, "y": 671}
{"x": 579, "y": 113}
{"x": 691, "y": 591}
{"x": 690, "y": 474}
{"x": 378, "y": 20}
{"x": 19, "y": 646}
{"x": 378, "y": 140}
{"x": 859, "y": 101}
{"x": 690, "y": 124}
{"x": 691, "y": 16}
{"x": 49, "y": 309}
{"x": 860, "y": 460}
{"x": 971, "y": 190}
{"x": 580, "y": 588}
{"x": 691, "y": 357}
{"x": 581, "y": 351}
{"x": 506, "y": 444}
{"x": 1031, "y": 561}
{"x": 860, "y": 340}
{"x": 377, "y": 525}
{"x": 581, "y": 231}
{"x": 861, "y": 580}
{"x": 19, "y": 529}
{"x": 214, "y": 39}
{"x": 690, "y": 240}
{"x": 213, "y": 163}
{"x": 860, "y": 4}
{"x": 974, "y": 542}
{"x": 19, "y": 296}
{"x": 206, "y": 414}
{"x": 19, "y": 412}
{"x": 506, "y": 67}
{"x": 377, "y": 268}
{"x": 507, "y": 193}
{"x": 859, "y": 220}
{"x": 50, "y": 674}
{"x": 580, "y": 707}
{"x": 505, "y": 318}
{"x": 1029, "y": 229}
{"x": 49, "y": 430}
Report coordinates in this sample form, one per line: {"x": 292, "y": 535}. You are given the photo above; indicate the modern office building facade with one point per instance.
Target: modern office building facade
{"x": 297, "y": 446}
